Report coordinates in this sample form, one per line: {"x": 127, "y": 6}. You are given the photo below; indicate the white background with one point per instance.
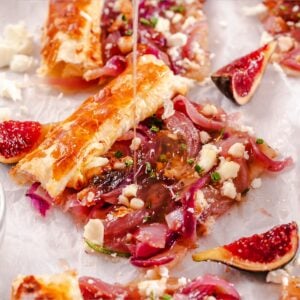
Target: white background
{"x": 33, "y": 244}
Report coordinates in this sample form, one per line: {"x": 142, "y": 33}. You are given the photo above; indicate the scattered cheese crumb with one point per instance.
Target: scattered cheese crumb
{"x": 135, "y": 143}
{"x": 130, "y": 190}
{"x": 6, "y": 54}
{"x": 94, "y": 231}
{"x": 164, "y": 272}
{"x": 177, "y": 18}
{"x": 228, "y": 169}
{"x": 228, "y": 190}
{"x": 265, "y": 38}
{"x": 162, "y": 25}
{"x": 136, "y": 203}
{"x": 119, "y": 165}
{"x": 285, "y": 43}
{"x": 246, "y": 155}
{"x": 21, "y": 63}
{"x": 9, "y": 89}
{"x": 204, "y": 137}
{"x": 255, "y": 10}
{"x": 256, "y": 183}
{"x": 208, "y": 157}
{"x": 200, "y": 201}
{"x": 153, "y": 288}
{"x": 277, "y": 276}
{"x": 237, "y": 150}
{"x": 189, "y": 22}
{"x": 125, "y": 43}
{"x": 177, "y": 40}
{"x": 209, "y": 110}
{"x": 182, "y": 281}
{"x": 123, "y": 200}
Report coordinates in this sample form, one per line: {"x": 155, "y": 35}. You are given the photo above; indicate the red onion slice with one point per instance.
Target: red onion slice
{"x": 152, "y": 262}
{"x": 268, "y": 163}
{"x": 197, "y": 117}
{"x": 40, "y": 199}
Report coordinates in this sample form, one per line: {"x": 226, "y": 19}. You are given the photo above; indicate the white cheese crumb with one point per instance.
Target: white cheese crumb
{"x": 169, "y": 14}
{"x": 94, "y": 231}
{"x": 136, "y": 203}
{"x": 223, "y": 24}
{"x": 295, "y": 8}
{"x": 162, "y": 25}
{"x": 152, "y": 288}
{"x": 6, "y": 54}
{"x": 130, "y": 190}
{"x": 135, "y": 143}
{"x": 177, "y": 18}
{"x": 285, "y": 43}
{"x": 228, "y": 169}
{"x": 123, "y": 200}
{"x": 277, "y": 276}
{"x": 10, "y": 89}
{"x": 246, "y": 155}
{"x": 168, "y": 109}
{"x": 237, "y": 150}
{"x": 21, "y": 63}
{"x": 200, "y": 201}
{"x": 5, "y": 114}
{"x": 208, "y": 157}
{"x": 255, "y": 10}
{"x": 188, "y": 22}
{"x": 204, "y": 137}
{"x": 209, "y": 110}
{"x": 86, "y": 16}
{"x": 125, "y": 43}
{"x": 150, "y": 274}
{"x": 178, "y": 39}
{"x": 228, "y": 190}
{"x": 256, "y": 183}
{"x": 182, "y": 281}
{"x": 164, "y": 272}
{"x": 119, "y": 165}
{"x": 266, "y": 38}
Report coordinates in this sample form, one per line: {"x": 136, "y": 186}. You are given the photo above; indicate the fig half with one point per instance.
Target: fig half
{"x": 257, "y": 253}
{"x": 239, "y": 80}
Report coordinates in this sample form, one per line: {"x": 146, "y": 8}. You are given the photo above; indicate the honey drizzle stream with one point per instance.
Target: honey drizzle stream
{"x": 134, "y": 77}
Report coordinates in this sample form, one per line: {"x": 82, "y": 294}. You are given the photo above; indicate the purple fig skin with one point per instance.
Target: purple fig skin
{"x": 223, "y": 83}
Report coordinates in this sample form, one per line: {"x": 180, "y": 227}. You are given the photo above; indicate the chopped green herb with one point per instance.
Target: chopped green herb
{"x": 162, "y": 158}
{"x": 215, "y": 176}
{"x": 124, "y": 18}
{"x": 128, "y": 162}
{"x": 178, "y": 8}
{"x": 104, "y": 250}
{"x": 129, "y": 32}
{"x": 198, "y": 169}
{"x": 152, "y": 22}
{"x": 259, "y": 141}
{"x": 145, "y": 21}
{"x": 119, "y": 154}
{"x": 166, "y": 297}
{"x": 190, "y": 161}
{"x": 146, "y": 219}
{"x": 152, "y": 174}
{"x": 154, "y": 128}
{"x": 148, "y": 167}
{"x": 221, "y": 135}
{"x": 183, "y": 147}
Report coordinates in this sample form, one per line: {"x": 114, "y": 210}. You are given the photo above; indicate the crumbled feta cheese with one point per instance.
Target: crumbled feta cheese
{"x": 94, "y": 231}
{"x": 117, "y": 5}
{"x": 21, "y": 63}
{"x": 228, "y": 169}
{"x": 256, "y": 183}
{"x": 174, "y": 52}
{"x": 135, "y": 143}
{"x": 188, "y": 22}
{"x": 162, "y": 25}
{"x": 130, "y": 190}
{"x": 86, "y": 16}
{"x": 209, "y": 110}
{"x": 246, "y": 155}
{"x": 119, "y": 165}
{"x": 136, "y": 203}
{"x": 123, "y": 200}
{"x": 97, "y": 162}
{"x": 237, "y": 150}
{"x": 90, "y": 197}
{"x": 178, "y": 39}
{"x": 277, "y": 276}
{"x": 169, "y": 14}
{"x": 228, "y": 190}
{"x": 10, "y": 89}
{"x": 182, "y": 281}
{"x": 223, "y": 24}
{"x": 168, "y": 108}
{"x": 177, "y": 18}
{"x": 18, "y": 37}
{"x": 266, "y": 38}
{"x": 125, "y": 44}
{"x": 208, "y": 157}
{"x": 285, "y": 43}
{"x": 200, "y": 201}
{"x": 255, "y": 10}
{"x": 204, "y": 137}
{"x": 295, "y": 8}
{"x": 5, "y": 114}
{"x": 152, "y": 288}
{"x": 164, "y": 272}
{"x": 248, "y": 129}
{"x": 150, "y": 274}
{"x": 6, "y": 54}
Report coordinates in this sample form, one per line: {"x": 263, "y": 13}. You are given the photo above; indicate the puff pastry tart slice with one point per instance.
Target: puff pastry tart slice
{"x": 62, "y": 158}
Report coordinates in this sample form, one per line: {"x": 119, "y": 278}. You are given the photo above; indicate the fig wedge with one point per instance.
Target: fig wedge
{"x": 258, "y": 253}
{"x": 239, "y": 80}
{"x": 17, "y": 138}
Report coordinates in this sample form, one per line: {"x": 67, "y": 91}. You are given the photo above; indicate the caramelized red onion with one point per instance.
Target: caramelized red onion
{"x": 268, "y": 163}
{"x": 197, "y": 117}
{"x": 40, "y": 199}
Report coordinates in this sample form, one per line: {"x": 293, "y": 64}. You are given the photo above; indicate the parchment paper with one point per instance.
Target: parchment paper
{"x": 34, "y": 244}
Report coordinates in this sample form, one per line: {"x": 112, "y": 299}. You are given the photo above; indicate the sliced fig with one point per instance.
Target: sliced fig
{"x": 239, "y": 80}
{"x": 257, "y": 253}
{"x": 17, "y": 138}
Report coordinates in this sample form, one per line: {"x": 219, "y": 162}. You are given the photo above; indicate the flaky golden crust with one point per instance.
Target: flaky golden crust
{"x": 71, "y": 39}
{"x": 60, "y": 161}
